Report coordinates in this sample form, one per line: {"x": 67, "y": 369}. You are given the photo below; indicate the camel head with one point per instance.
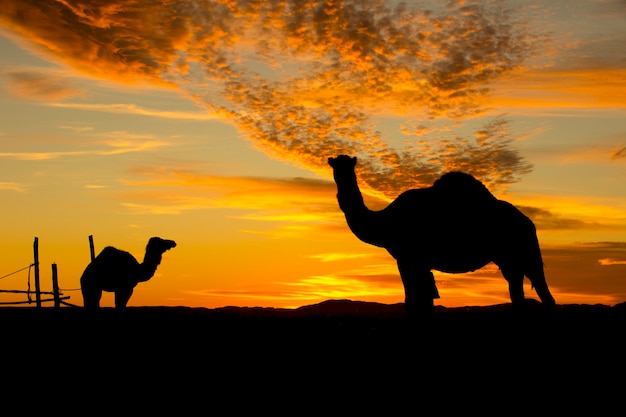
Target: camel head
{"x": 343, "y": 168}
{"x": 342, "y": 161}
{"x": 157, "y": 245}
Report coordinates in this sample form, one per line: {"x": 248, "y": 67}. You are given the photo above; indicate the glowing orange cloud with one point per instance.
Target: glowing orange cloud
{"x": 342, "y": 65}
{"x": 40, "y": 85}
{"x": 611, "y": 261}
{"x": 561, "y": 89}
{"x": 161, "y": 190}
{"x": 331, "y": 257}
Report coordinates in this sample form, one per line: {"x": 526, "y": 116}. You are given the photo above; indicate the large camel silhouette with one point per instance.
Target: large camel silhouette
{"x": 118, "y": 271}
{"x": 455, "y": 226}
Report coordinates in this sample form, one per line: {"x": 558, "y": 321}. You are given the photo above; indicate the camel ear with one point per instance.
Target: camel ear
{"x": 331, "y": 160}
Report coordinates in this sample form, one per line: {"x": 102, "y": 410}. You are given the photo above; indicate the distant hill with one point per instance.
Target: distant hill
{"x": 328, "y": 308}
{"x": 372, "y": 309}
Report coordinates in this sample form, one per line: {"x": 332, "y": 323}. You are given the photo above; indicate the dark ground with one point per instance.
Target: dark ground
{"x": 342, "y": 356}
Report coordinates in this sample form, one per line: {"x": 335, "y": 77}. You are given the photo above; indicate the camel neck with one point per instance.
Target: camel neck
{"x": 363, "y": 222}
{"x": 149, "y": 265}
{"x": 349, "y": 195}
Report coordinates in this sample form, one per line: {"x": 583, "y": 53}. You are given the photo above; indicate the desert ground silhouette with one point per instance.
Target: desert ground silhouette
{"x": 338, "y": 357}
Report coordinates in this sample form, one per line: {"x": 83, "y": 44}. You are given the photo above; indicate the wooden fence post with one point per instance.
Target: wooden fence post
{"x": 37, "y": 289}
{"x": 91, "y": 248}
{"x": 55, "y": 287}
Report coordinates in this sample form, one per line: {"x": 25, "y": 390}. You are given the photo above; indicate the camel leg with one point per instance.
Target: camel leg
{"x": 91, "y": 297}
{"x": 515, "y": 278}
{"x": 121, "y": 298}
{"x": 419, "y": 287}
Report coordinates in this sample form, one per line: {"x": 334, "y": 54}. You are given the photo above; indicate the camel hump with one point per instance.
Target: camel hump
{"x": 459, "y": 185}
{"x": 111, "y": 258}
{"x": 110, "y": 253}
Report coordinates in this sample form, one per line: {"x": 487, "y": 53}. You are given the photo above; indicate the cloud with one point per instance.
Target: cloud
{"x": 121, "y": 43}
{"x": 611, "y": 261}
{"x": 342, "y": 287}
{"x": 600, "y": 151}
{"x": 12, "y": 186}
{"x": 166, "y": 190}
{"x": 332, "y": 257}
{"x": 312, "y": 290}
{"x": 562, "y": 89}
{"x": 548, "y": 220}
{"x": 342, "y": 67}
{"x": 619, "y": 154}
{"x": 573, "y": 273}
{"x": 40, "y": 156}
{"x": 582, "y": 269}
{"x": 134, "y": 109}
{"x": 45, "y": 85}
{"x": 115, "y": 143}
{"x": 77, "y": 129}
{"x": 300, "y": 206}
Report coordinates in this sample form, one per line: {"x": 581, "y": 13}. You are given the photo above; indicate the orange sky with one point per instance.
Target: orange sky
{"x": 210, "y": 123}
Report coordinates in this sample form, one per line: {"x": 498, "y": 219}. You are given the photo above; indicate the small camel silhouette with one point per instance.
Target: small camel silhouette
{"x": 455, "y": 226}
{"x": 118, "y": 271}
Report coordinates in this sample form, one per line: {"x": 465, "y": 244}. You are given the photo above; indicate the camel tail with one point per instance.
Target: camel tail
{"x": 537, "y": 277}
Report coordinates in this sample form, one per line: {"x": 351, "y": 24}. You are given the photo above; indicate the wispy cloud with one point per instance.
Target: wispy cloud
{"x": 134, "y": 109}
{"x": 342, "y": 287}
{"x": 562, "y": 89}
{"x": 342, "y": 65}
{"x": 602, "y": 151}
{"x": 314, "y": 289}
{"x": 77, "y": 129}
{"x": 12, "y": 186}
{"x": 611, "y": 261}
{"x": 549, "y": 220}
{"x": 574, "y": 270}
{"x": 299, "y": 207}
{"x": 114, "y": 143}
{"x": 40, "y": 84}
{"x": 571, "y": 271}
{"x": 41, "y": 156}
{"x": 619, "y": 154}
{"x": 261, "y": 199}
{"x": 332, "y": 257}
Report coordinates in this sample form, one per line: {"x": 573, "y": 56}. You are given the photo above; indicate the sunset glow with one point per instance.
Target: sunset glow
{"x": 210, "y": 122}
